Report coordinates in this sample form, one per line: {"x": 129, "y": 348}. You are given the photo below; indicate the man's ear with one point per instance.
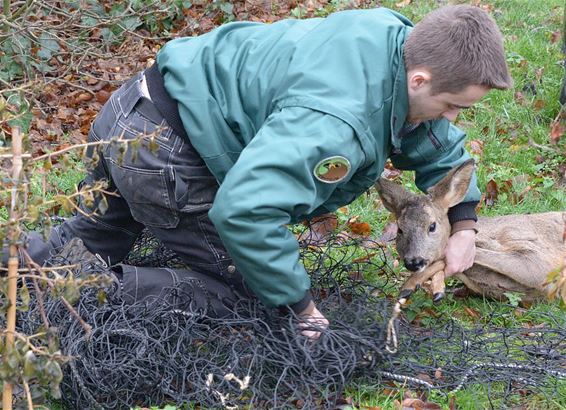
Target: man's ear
{"x": 393, "y": 196}
{"x": 418, "y": 78}
{"x": 451, "y": 189}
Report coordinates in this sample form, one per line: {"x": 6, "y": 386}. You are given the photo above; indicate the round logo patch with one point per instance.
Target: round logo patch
{"x": 332, "y": 170}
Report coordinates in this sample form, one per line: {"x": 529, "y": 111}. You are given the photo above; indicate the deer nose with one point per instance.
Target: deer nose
{"x": 414, "y": 264}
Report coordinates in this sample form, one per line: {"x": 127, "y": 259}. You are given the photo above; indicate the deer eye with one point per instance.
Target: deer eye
{"x": 432, "y": 227}
{"x": 399, "y": 231}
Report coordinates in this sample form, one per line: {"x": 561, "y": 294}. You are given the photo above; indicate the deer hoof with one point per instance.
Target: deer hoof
{"x": 405, "y": 293}
{"x": 437, "y": 297}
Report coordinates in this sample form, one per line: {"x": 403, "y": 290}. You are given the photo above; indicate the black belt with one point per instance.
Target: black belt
{"x": 162, "y": 101}
{"x": 148, "y": 110}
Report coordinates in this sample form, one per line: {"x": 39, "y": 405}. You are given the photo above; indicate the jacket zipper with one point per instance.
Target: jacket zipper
{"x": 434, "y": 140}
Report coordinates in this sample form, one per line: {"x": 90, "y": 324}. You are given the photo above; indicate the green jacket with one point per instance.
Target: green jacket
{"x": 266, "y": 104}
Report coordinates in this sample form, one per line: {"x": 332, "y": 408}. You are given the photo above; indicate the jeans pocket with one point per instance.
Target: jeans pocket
{"x": 136, "y": 125}
{"x": 195, "y": 188}
{"x": 150, "y": 194}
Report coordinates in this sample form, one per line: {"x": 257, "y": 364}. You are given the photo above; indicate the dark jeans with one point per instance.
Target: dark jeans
{"x": 163, "y": 184}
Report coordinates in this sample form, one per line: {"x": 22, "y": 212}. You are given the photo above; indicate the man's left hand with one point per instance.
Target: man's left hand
{"x": 460, "y": 252}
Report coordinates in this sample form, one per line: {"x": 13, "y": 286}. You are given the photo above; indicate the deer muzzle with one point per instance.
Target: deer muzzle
{"x": 415, "y": 264}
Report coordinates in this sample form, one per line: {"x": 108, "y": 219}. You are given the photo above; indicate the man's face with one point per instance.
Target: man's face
{"x": 424, "y": 106}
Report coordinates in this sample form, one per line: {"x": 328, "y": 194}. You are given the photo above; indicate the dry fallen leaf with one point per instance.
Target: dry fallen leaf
{"x": 519, "y": 312}
{"x": 403, "y": 3}
{"x": 557, "y": 129}
{"x": 452, "y": 403}
{"x": 425, "y": 377}
{"x": 519, "y": 98}
{"x": 364, "y": 259}
{"x": 472, "y": 312}
{"x": 412, "y": 404}
{"x": 319, "y": 228}
{"x": 438, "y": 374}
{"x": 476, "y": 147}
{"x": 360, "y": 228}
{"x": 539, "y": 73}
{"x": 102, "y": 96}
{"x": 539, "y": 104}
{"x": 84, "y": 97}
{"x": 491, "y": 192}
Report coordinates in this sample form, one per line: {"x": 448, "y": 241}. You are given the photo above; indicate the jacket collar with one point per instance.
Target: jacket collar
{"x": 400, "y": 108}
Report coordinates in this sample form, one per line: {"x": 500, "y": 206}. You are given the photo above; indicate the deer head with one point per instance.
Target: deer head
{"x": 422, "y": 220}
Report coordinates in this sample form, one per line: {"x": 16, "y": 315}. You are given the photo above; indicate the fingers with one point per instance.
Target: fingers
{"x": 313, "y": 324}
{"x": 455, "y": 268}
{"x": 460, "y": 252}
{"x": 452, "y": 269}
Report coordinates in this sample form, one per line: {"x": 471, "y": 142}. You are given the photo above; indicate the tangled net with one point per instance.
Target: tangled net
{"x": 151, "y": 353}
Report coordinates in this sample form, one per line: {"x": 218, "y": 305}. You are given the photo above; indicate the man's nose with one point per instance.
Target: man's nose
{"x": 451, "y": 115}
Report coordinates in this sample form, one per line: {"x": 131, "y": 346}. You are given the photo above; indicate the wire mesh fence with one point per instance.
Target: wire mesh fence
{"x": 155, "y": 351}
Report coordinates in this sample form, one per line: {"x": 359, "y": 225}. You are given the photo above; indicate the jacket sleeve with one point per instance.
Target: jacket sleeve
{"x": 431, "y": 151}
{"x": 273, "y": 184}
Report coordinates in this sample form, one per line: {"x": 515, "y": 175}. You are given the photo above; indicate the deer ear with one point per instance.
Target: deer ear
{"x": 393, "y": 195}
{"x": 451, "y": 189}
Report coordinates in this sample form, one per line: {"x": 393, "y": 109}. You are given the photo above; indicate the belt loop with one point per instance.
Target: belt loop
{"x": 128, "y": 99}
{"x": 146, "y": 108}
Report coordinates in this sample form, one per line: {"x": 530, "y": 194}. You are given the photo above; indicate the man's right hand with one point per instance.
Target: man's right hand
{"x": 311, "y": 319}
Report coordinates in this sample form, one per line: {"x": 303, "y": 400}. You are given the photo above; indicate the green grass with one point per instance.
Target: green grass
{"x": 472, "y": 398}
{"x": 59, "y": 180}
{"x": 65, "y": 180}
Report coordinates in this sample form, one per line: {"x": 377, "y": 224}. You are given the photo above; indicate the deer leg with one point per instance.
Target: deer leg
{"x": 418, "y": 278}
{"x": 438, "y": 286}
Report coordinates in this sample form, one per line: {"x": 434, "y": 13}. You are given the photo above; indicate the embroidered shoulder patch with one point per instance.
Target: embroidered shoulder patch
{"x": 333, "y": 169}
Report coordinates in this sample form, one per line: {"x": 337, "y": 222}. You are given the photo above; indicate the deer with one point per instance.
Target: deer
{"x": 514, "y": 253}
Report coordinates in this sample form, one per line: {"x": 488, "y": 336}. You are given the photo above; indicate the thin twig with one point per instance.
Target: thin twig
{"x": 28, "y": 395}
{"x": 38, "y": 291}
{"x": 75, "y": 85}
{"x": 39, "y": 298}
{"x": 7, "y": 9}
{"x": 23, "y": 8}
{"x": 10, "y": 156}
{"x": 120, "y": 140}
{"x": 38, "y": 351}
{"x": 532, "y": 143}
{"x": 86, "y": 326}
{"x": 72, "y": 147}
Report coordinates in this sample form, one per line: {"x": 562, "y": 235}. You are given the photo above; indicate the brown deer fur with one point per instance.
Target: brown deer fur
{"x": 514, "y": 253}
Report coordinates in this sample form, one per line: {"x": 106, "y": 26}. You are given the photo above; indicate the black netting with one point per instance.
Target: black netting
{"x": 150, "y": 353}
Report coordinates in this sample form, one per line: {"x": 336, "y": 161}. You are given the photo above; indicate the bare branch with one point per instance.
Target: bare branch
{"x": 28, "y": 395}
{"x": 71, "y": 309}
